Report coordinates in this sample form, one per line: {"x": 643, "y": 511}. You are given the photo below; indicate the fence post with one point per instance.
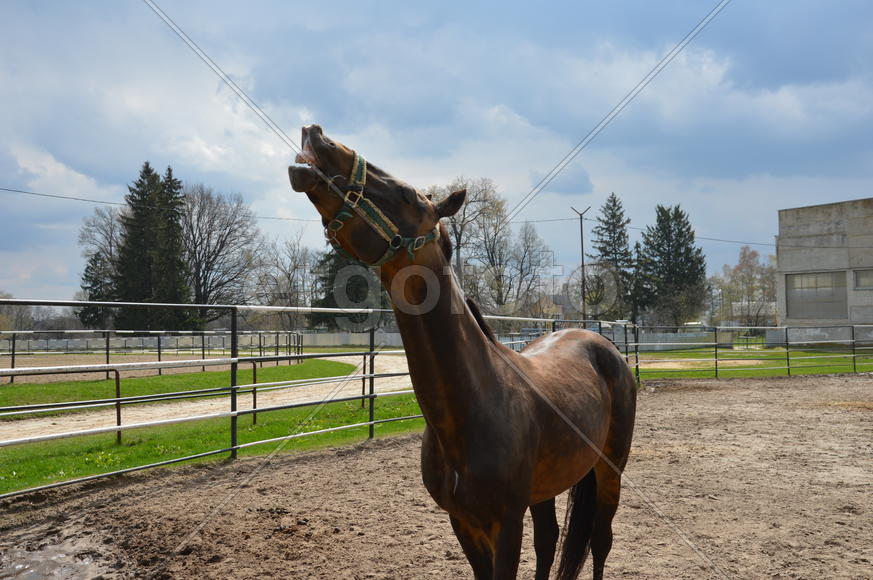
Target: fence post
{"x": 364, "y": 378}
{"x": 626, "y": 345}
{"x": 261, "y": 346}
{"x": 12, "y": 378}
{"x": 854, "y": 352}
{"x": 554, "y": 324}
{"x": 254, "y": 392}
{"x": 715, "y": 336}
{"x": 600, "y": 328}
{"x": 160, "y": 370}
{"x": 277, "y": 349}
{"x": 203, "y": 349}
{"x": 787, "y": 353}
{"x": 372, "y": 384}
{"x": 637, "y": 352}
{"x": 106, "y": 335}
{"x": 117, "y": 406}
{"x": 234, "y": 353}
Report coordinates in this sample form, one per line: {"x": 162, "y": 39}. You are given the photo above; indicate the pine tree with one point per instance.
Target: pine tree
{"x": 640, "y": 292}
{"x": 169, "y": 268}
{"x": 135, "y": 272}
{"x": 357, "y": 291}
{"x": 613, "y": 250}
{"x": 150, "y": 264}
{"x": 675, "y": 267}
{"x": 98, "y": 286}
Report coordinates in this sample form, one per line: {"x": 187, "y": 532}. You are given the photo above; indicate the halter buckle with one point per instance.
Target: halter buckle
{"x": 418, "y": 242}
{"x": 396, "y": 242}
{"x": 357, "y": 192}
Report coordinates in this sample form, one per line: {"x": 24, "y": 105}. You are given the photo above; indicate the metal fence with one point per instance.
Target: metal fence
{"x": 284, "y": 347}
{"x": 652, "y": 352}
{"x": 752, "y": 351}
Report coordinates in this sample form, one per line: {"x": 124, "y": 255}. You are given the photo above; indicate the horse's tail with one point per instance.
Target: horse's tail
{"x": 578, "y": 527}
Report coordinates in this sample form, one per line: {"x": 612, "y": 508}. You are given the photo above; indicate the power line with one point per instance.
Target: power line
{"x": 104, "y": 202}
{"x": 546, "y": 220}
{"x": 57, "y": 196}
{"x": 630, "y": 96}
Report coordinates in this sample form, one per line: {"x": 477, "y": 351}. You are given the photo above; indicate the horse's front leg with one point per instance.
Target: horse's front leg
{"x": 476, "y": 546}
{"x": 507, "y": 545}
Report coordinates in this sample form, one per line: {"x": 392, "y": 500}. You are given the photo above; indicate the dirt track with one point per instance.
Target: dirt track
{"x": 767, "y": 478}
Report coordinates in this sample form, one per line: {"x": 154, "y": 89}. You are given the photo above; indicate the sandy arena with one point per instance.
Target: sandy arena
{"x": 765, "y": 478}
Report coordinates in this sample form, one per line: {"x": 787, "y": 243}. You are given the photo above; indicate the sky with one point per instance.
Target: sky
{"x": 770, "y": 107}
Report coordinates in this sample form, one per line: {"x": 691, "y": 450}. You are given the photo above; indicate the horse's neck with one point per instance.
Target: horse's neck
{"x": 449, "y": 356}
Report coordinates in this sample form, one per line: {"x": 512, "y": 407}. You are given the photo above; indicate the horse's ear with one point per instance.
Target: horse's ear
{"x": 451, "y": 204}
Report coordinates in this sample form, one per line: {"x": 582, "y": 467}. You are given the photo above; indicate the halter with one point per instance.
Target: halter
{"x": 354, "y": 202}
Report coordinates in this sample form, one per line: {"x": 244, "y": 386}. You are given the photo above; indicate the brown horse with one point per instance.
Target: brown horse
{"x": 506, "y": 431}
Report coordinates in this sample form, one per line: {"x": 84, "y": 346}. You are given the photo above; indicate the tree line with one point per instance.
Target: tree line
{"x": 177, "y": 243}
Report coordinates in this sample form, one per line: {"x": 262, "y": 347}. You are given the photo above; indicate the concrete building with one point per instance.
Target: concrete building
{"x": 825, "y": 264}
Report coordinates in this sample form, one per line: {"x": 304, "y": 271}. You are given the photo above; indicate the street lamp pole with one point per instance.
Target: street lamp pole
{"x": 582, "y": 245}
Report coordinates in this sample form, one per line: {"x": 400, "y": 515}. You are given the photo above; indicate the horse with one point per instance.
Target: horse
{"x": 505, "y": 431}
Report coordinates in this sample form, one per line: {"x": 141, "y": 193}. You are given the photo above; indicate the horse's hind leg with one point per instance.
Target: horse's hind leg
{"x": 608, "y": 493}
{"x": 546, "y": 532}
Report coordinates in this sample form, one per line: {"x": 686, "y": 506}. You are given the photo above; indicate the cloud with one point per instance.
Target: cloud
{"x": 752, "y": 116}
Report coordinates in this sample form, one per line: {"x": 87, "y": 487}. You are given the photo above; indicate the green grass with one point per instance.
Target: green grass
{"x": 34, "y": 464}
{"x": 28, "y": 394}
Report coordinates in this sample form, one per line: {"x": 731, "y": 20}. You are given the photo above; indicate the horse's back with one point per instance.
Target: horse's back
{"x": 577, "y": 348}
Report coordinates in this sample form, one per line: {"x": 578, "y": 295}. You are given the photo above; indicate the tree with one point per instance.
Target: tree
{"x": 481, "y": 198}
{"x": 15, "y": 317}
{"x": 222, "y": 247}
{"x": 674, "y": 266}
{"x": 285, "y": 278}
{"x": 357, "y": 287}
{"x": 745, "y": 293}
{"x": 531, "y": 256}
{"x": 100, "y": 239}
{"x": 97, "y": 286}
{"x": 640, "y": 293}
{"x": 492, "y": 250}
{"x": 168, "y": 257}
{"x": 612, "y": 252}
{"x": 150, "y": 265}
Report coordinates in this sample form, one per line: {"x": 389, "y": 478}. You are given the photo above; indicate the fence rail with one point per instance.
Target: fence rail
{"x": 647, "y": 350}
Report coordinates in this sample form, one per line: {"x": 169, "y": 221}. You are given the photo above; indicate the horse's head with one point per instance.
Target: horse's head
{"x": 366, "y": 212}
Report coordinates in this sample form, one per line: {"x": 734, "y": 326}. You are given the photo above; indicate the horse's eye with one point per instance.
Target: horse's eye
{"x": 331, "y": 144}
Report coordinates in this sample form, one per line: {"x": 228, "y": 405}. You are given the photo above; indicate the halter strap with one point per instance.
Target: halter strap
{"x": 354, "y": 202}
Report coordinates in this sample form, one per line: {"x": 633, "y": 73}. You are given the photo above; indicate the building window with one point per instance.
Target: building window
{"x": 863, "y": 279}
{"x": 816, "y": 295}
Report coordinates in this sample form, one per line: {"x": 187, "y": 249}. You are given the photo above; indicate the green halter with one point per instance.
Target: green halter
{"x": 354, "y": 202}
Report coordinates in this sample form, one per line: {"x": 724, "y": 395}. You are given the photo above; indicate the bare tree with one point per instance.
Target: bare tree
{"x": 531, "y": 257}
{"x": 15, "y": 317}
{"x": 101, "y": 233}
{"x": 285, "y": 278}
{"x": 222, "y": 247}
{"x": 745, "y": 293}
{"x": 481, "y": 196}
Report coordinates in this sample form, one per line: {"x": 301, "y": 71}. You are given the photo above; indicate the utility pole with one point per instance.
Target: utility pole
{"x": 582, "y": 245}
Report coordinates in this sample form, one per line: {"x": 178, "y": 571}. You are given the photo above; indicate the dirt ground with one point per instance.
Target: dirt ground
{"x": 765, "y": 478}
{"x": 105, "y": 417}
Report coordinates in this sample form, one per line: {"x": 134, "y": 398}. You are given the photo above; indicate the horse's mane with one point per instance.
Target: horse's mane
{"x": 477, "y": 314}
